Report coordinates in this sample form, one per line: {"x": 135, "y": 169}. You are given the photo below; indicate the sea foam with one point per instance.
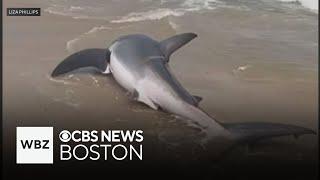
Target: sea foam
{"x": 149, "y": 15}
{"x": 156, "y": 14}
{"x": 310, "y": 4}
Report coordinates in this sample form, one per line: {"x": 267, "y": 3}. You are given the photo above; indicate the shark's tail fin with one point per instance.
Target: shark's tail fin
{"x": 97, "y": 58}
{"x": 255, "y": 131}
{"x": 248, "y": 132}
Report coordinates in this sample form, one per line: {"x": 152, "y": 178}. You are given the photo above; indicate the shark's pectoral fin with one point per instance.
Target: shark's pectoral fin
{"x": 148, "y": 102}
{"x": 171, "y": 44}
{"x": 97, "y": 58}
{"x": 252, "y": 132}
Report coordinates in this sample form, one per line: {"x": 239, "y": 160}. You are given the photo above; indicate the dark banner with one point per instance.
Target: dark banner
{"x": 23, "y": 11}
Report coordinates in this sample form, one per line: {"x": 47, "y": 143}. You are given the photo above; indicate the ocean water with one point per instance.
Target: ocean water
{"x": 281, "y": 25}
{"x": 127, "y": 12}
{"x": 139, "y": 10}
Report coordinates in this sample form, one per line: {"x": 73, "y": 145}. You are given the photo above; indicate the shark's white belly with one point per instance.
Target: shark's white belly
{"x": 122, "y": 75}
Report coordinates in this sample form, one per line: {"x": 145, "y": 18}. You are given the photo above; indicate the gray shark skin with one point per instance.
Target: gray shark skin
{"x": 140, "y": 64}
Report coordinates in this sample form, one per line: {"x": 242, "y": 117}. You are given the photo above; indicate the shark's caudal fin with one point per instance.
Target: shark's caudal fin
{"x": 247, "y": 132}
{"x": 171, "y": 44}
{"x": 254, "y": 131}
{"x": 98, "y": 58}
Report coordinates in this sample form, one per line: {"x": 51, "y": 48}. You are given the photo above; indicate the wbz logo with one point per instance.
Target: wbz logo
{"x": 27, "y": 144}
{"x": 34, "y": 145}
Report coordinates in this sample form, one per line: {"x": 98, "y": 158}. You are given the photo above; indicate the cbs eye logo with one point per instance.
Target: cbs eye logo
{"x": 78, "y": 136}
{"x": 65, "y": 136}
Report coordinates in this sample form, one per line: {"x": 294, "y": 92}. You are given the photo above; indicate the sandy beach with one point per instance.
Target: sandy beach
{"x": 248, "y": 65}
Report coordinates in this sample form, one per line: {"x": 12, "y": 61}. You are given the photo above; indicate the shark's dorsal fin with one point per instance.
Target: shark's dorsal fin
{"x": 173, "y": 43}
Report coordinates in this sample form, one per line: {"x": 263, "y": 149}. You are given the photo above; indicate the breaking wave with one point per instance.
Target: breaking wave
{"x": 310, "y": 4}
{"x": 149, "y": 15}
{"x": 156, "y": 14}
{"x": 76, "y": 12}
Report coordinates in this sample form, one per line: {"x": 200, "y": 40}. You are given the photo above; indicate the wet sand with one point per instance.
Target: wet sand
{"x": 247, "y": 66}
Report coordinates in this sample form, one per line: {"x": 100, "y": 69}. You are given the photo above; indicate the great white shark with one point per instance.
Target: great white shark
{"x": 140, "y": 64}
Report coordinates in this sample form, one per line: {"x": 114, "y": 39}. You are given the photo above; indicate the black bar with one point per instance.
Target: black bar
{"x": 23, "y": 11}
